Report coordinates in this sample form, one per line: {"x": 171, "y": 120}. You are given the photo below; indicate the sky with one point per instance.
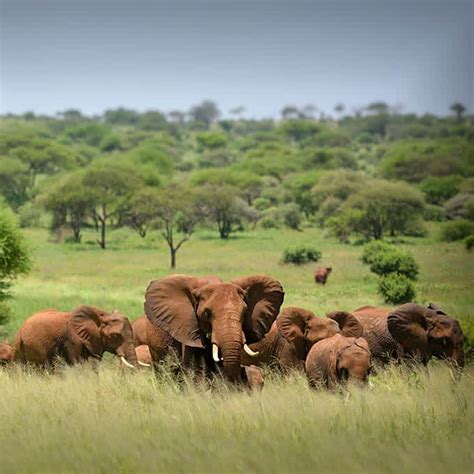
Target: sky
{"x": 169, "y": 55}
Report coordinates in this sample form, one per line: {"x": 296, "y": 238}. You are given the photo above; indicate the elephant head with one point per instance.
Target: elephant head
{"x": 6, "y": 353}
{"x": 352, "y": 360}
{"x": 205, "y": 313}
{"x": 99, "y": 331}
{"x": 424, "y": 332}
{"x": 302, "y": 329}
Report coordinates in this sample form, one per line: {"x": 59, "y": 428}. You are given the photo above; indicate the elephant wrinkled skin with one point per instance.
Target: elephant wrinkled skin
{"x": 412, "y": 331}
{"x": 293, "y": 334}
{"x": 84, "y": 333}
{"x": 337, "y": 360}
{"x": 209, "y": 321}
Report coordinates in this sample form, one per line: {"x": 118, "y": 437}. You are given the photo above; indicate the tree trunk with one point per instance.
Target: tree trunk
{"x": 173, "y": 257}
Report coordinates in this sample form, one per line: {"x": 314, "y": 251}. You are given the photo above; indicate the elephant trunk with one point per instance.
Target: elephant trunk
{"x": 227, "y": 335}
{"x": 127, "y": 354}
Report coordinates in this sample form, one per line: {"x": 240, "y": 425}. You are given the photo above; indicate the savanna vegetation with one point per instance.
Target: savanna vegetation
{"x": 108, "y": 203}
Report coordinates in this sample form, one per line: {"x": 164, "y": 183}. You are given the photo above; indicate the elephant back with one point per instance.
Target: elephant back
{"x": 381, "y": 343}
{"x": 39, "y": 335}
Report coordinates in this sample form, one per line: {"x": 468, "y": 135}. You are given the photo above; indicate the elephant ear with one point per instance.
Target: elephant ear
{"x": 350, "y": 326}
{"x": 408, "y": 325}
{"x": 264, "y": 297}
{"x": 292, "y": 322}
{"x": 85, "y": 323}
{"x": 170, "y": 306}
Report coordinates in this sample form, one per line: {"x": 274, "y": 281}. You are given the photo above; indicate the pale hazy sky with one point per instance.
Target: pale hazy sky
{"x": 94, "y": 55}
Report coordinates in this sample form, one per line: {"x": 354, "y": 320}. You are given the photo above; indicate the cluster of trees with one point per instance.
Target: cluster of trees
{"x": 369, "y": 174}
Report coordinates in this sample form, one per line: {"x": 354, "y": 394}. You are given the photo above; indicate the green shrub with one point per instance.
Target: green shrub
{"x": 395, "y": 261}
{"x": 291, "y": 216}
{"x": 434, "y": 213}
{"x": 269, "y": 222}
{"x": 396, "y": 288}
{"x": 373, "y": 249}
{"x": 469, "y": 242}
{"x": 457, "y": 230}
{"x": 301, "y": 254}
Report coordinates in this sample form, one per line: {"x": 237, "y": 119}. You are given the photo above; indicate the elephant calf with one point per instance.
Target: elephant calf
{"x": 336, "y": 360}
{"x": 6, "y": 353}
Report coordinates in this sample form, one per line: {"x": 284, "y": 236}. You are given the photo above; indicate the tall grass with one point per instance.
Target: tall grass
{"x": 85, "y": 420}
{"x": 80, "y": 420}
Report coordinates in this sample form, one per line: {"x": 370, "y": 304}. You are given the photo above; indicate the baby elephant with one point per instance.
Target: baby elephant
{"x": 321, "y": 274}
{"x": 338, "y": 359}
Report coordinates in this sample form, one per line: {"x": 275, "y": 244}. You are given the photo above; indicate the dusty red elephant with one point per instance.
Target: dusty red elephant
{"x": 86, "y": 332}
{"x": 207, "y": 321}
{"x": 412, "y": 331}
{"x": 293, "y": 334}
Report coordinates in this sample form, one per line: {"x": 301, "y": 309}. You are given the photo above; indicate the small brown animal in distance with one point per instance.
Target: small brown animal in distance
{"x": 321, "y": 274}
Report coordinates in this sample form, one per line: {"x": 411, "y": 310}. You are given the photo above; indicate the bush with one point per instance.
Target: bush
{"x": 269, "y": 222}
{"x": 394, "y": 261}
{"x": 457, "y": 230}
{"x": 434, "y": 213}
{"x": 469, "y": 243}
{"x": 301, "y": 254}
{"x": 396, "y": 288}
{"x": 291, "y": 216}
{"x": 373, "y": 249}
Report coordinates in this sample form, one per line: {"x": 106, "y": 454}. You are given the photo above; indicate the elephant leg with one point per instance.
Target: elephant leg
{"x": 253, "y": 377}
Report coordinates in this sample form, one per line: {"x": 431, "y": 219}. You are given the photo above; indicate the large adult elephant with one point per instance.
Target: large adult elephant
{"x": 210, "y": 320}
{"x": 86, "y": 332}
{"x": 293, "y": 334}
{"x": 412, "y": 331}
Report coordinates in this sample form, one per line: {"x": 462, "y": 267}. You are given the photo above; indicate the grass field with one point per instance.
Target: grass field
{"x": 85, "y": 421}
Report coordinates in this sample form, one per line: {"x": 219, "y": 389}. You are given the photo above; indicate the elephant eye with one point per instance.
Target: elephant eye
{"x": 207, "y": 315}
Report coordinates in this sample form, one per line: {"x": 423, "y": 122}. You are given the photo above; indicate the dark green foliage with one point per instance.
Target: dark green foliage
{"x": 439, "y": 189}
{"x": 14, "y": 257}
{"x": 456, "y": 230}
{"x": 211, "y": 140}
{"x": 300, "y": 255}
{"x": 373, "y": 249}
{"x": 392, "y": 260}
{"x": 396, "y": 288}
{"x": 469, "y": 243}
{"x": 291, "y": 216}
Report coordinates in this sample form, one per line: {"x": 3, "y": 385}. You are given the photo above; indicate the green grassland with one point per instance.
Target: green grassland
{"x": 81, "y": 420}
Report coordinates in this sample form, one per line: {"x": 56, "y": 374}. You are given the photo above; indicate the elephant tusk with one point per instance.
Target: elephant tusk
{"x": 215, "y": 353}
{"x": 249, "y": 351}
{"x": 143, "y": 364}
{"x": 126, "y": 363}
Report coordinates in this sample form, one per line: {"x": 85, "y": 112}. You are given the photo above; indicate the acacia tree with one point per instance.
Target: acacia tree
{"x": 70, "y": 203}
{"x": 108, "y": 184}
{"x": 178, "y": 211}
{"x": 141, "y": 211}
{"x": 223, "y": 206}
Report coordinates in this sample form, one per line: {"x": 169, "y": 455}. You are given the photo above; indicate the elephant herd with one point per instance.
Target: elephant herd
{"x": 235, "y": 328}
